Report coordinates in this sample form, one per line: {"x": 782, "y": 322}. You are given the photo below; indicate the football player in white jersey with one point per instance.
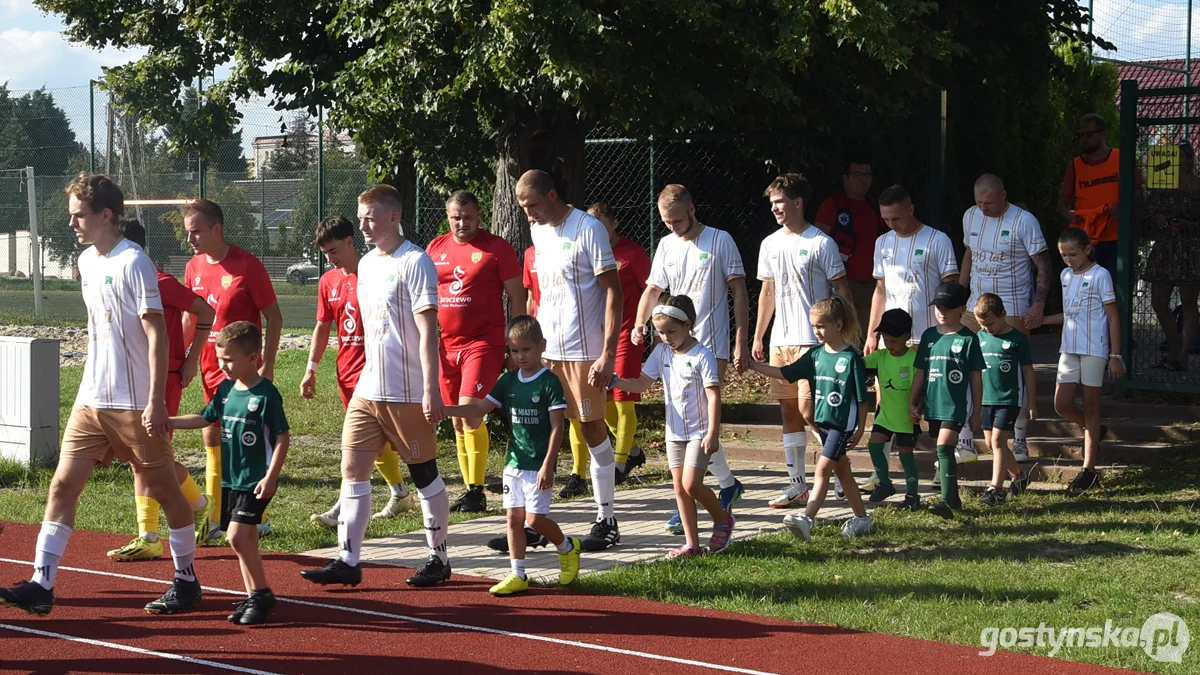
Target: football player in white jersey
{"x": 397, "y": 400}
{"x": 1003, "y": 244}
{"x": 120, "y": 411}
{"x": 704, "y": 264}
{"x": 799, "y": 266}
{"x": 580, "y": 312}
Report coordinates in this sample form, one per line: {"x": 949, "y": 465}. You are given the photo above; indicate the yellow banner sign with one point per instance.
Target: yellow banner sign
{"x": 1163, "y": 167}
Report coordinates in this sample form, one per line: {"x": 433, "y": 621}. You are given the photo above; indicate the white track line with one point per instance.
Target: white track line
{"x": 443, "y": 624}
{"x": 138, "y": 650}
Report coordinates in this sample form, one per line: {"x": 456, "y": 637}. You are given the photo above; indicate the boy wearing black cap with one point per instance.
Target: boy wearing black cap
{"x": 894, "y": 372}
{"x": 949, "y": 364}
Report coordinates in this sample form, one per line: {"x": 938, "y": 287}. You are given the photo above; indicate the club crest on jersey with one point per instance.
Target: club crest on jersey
{"x": 842, "y": 364}
{"x": 535, "y": 398}
{"x": 919, "y": 252}
{"x": 1085, "y": 284}
{"x": 391, "y": 277}
{"x": 704, "y": 256}
{"x": 957, "y": 347}
{"x": 904, "y": 372}
{"x": 252, "y": 406}
{"x": 1006, "y": 345}
{"x": 227, "y": 281}
{"x": 108, "y": 280}
{"x": 844, "y": 219}
{"x": 1005, "y": 233}
{"x": 476, "y": 256}
{"x": 566, "y": 246}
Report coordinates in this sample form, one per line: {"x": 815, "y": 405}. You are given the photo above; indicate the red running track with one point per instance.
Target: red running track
{"x": 98, "y": 626}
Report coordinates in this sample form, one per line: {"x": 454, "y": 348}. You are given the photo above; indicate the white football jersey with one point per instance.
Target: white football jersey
{"x": 1085, "y": 323}
{"x": 1001, "y": 252}
{"x": 701, "y": 268}
{"x": 568, "y": 258}
{"x": 684, "y": 378}
{"x": 392, "y": 289}
{"x": 801, "y": 265}
{"x": 118, "y": 289}
{"x": 912, "y": 268}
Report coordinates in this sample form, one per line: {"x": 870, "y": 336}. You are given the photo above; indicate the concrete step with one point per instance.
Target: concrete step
{"x": 1050, "y": 470}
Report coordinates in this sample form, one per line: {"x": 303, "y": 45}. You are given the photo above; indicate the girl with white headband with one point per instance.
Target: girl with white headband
{"x": 692, "y": 390}
{"x": 837, "y": 379}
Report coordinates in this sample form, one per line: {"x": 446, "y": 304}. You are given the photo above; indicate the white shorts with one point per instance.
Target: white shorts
{"x": 1081, "y": 369}
{"x": 521, "y": 491}
{"x": 690, "y": 453}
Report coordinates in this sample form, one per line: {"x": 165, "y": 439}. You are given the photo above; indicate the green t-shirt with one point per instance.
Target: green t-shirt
{"x": 251, "y": 420}
{"x": 894, "y": 378}
{"x": 838, "y": 381}
{"x": 948, "y": 361}
{"x": 1004, "y": 355}
{"x": 526, "y": 405}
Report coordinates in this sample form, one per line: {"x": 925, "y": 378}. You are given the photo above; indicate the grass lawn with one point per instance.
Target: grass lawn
{"x": 1123, "y": 554}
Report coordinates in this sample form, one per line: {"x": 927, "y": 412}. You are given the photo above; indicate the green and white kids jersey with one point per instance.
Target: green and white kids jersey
{"x": 838, "y": 381}
{"x": 948, "y": 361}
{"x": 1003, "y": 356}
{"x": 526, "y": 404}
{"x": 894, "y": 377}
{"x": 251, "y": 420}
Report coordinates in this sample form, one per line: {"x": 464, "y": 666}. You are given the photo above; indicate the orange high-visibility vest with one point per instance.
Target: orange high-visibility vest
{"x": 1096, "y": 192}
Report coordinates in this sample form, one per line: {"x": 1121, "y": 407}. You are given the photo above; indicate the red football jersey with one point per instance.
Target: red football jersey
{"x": 238, "y": 287}
{"x": 471, "y": 280}
{"x": 633, "y": 269}
{"x": 176, "y": 298}
{"x": 529, "y": 278}
{"x": 337, "y": 302}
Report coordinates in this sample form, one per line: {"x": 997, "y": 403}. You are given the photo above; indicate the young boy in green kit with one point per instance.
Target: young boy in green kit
{"x": 534, "y": 407}
{"x": 1007, "y": 378}
{"x": 254, "y": 444}
{"x": 947, "y": 385}
{"x": 894, "y": 372}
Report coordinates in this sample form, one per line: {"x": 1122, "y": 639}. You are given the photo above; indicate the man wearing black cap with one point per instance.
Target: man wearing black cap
{"x": 949, "y": 365}
{"x": 894, "y": 369}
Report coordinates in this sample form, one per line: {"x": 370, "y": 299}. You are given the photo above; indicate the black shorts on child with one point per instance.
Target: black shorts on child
{"x": 1000, "y": 417}
{"x": 898, "y": 440}
{"x": 240, "y": 506}
{"x": 935, "y": 427}
{"x": 836, "y": 442}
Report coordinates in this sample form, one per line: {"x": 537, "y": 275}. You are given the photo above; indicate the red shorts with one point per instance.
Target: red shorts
{"x": 174, "y": 393}
{"x": 209, "y": 383}
{"x": 628, "y": 365}
{"x": 347, "y": 392}
{"x": 471, "y": 371}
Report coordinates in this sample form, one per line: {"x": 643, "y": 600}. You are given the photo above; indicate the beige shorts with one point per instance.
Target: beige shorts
{"x": 968, "y": 320}
{"x": 104, "y": 434}
{"x": 372, "y": 425}
{"x": 1081, "y": 369}
{"x": 784, "y": 356}
{"x": 584, "y": 402}
{"x": 689, "y": 453}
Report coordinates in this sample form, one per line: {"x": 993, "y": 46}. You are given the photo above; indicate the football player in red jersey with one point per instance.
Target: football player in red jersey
{"x": 474, "y": 266}
{"x": 181, "y": 368}
{"x": 238, "y": 287}
{"x": 337, "y": 305}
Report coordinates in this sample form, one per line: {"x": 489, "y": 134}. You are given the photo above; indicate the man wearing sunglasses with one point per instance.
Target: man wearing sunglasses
{"x": 1090, "y": 189}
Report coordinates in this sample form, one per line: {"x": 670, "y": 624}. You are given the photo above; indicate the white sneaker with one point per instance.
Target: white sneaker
{"x": 838, "y": 492}
{"x": 795, "y": 494}
{"x": 965, "y": 453}
{"x": 396, "y": 506}
{"x": 937, "y": 474}
{"x": 869, "y": 484}
{"x": 264, "y": 529}
{"x": 856, "y": 526}
{"x": 327, "y": 520}
{"x": 799, "y": 525}
{"x": 1020, "y": 450}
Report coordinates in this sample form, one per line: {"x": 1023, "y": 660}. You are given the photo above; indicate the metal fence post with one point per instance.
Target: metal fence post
{"x": 1125, "y": 246}
{"x": 35, "y": 268}
{"x": 92, "y": 126}
{"x": 200, "y": 158}
{"x": 653, "y": 196}
{"x": 320, "y": 179}
{"x": 416, "y": 231}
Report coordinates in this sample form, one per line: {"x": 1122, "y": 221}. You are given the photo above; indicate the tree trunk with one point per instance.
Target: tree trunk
{"x": 552, "y": 143}
{"x": 403, "y": 177}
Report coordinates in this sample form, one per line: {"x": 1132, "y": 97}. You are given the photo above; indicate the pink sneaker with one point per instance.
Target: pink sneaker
{"x": 720, "y": 536}
{"x": 684, "y": 551}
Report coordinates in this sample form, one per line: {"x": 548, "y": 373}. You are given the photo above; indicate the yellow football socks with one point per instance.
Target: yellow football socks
{"x": 464, "y": 463}
{"x": 388, "y": 463}
{"x": 477, "y": 454}
{"x": 147, "y": 515}
{"x": 212, "y": 482}
{"x": 191, "y": 492}
{"x": 621, "y": 418}
{"x": 581, "y": 457}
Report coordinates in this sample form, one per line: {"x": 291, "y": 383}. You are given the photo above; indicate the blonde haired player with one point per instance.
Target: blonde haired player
{"x": 397, "y": 400}
{"x": 338, "y": 305}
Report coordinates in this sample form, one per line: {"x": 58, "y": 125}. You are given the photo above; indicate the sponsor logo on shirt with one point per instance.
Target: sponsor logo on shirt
{"x": 1005, "y": 366}
{"x": 834, "y": 399}
{"x": 955, "y": 376}
{"x": 249, "y": 438}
